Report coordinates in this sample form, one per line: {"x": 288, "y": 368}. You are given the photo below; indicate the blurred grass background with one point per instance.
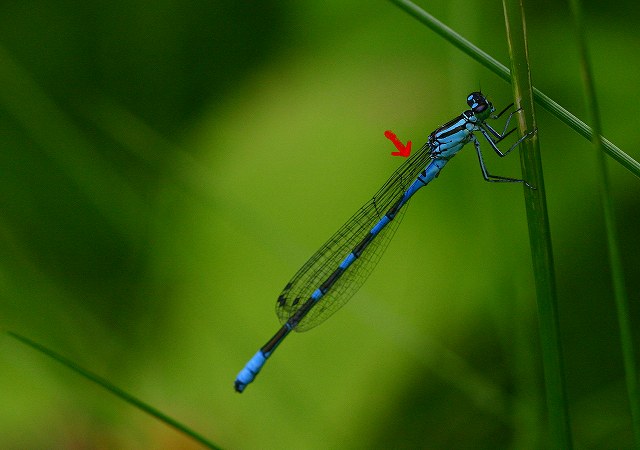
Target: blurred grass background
{"x": 168, "y": 166}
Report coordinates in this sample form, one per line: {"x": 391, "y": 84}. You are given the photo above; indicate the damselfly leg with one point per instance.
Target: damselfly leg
{"x": 494, "y": 143}
{"x": 501, "y": 136}
{"x": 493, "y": 137}
{"x": 497, "y": 178}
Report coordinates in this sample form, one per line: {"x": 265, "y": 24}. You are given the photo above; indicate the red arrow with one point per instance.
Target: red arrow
{"x": 403, "y": 150}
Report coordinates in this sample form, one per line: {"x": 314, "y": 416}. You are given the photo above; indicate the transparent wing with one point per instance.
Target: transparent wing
{"x": 324, "y": 262}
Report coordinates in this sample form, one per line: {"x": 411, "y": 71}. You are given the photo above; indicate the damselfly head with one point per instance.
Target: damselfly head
{"x": 479, "y": 104}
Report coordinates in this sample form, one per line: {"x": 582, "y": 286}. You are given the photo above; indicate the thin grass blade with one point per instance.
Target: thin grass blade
{"x": 617, "y": 273}
{"x": 114, "y": 390}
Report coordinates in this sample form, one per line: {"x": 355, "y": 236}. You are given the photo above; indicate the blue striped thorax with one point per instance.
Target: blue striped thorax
{"x": 451, "y": 137}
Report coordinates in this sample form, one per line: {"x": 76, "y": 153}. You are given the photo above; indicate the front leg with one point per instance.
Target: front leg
{"x": 501, "y": 136}
{"x": 494, "y": 143}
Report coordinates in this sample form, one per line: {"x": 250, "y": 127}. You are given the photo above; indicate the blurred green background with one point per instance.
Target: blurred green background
{"x": 167, "y": 166}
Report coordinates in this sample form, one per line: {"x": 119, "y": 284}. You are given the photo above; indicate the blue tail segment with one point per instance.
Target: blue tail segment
{"x": 251, "y": 369}
{"x": 336, "y": 271}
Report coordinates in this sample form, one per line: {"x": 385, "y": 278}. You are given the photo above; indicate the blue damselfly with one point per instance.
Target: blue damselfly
{"x": 337, "y": 270}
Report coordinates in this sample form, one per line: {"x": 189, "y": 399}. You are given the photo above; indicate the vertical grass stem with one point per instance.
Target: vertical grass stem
{"x": 539, "y": 231}
{"x": 617, "y": 273}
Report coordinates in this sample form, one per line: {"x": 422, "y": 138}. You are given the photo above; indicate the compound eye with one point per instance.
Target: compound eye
{"x": 478, "y": 108}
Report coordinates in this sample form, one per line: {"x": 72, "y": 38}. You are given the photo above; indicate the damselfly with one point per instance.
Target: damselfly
{"x": 337, "y": 270}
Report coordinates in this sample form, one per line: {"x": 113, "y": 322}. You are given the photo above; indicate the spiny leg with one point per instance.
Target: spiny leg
{"x": 496, "y": 137}
{"x": 501, "y": 136}
{"x": 494, "y": 178}
{"x": 494, "y": 143}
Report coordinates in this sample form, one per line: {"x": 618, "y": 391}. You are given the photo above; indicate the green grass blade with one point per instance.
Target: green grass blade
{"x": 503, "y": 72}
{"x": 114, "y": 390}
{"x": 617, "y": 273}
{"x": 539, "y": 232}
